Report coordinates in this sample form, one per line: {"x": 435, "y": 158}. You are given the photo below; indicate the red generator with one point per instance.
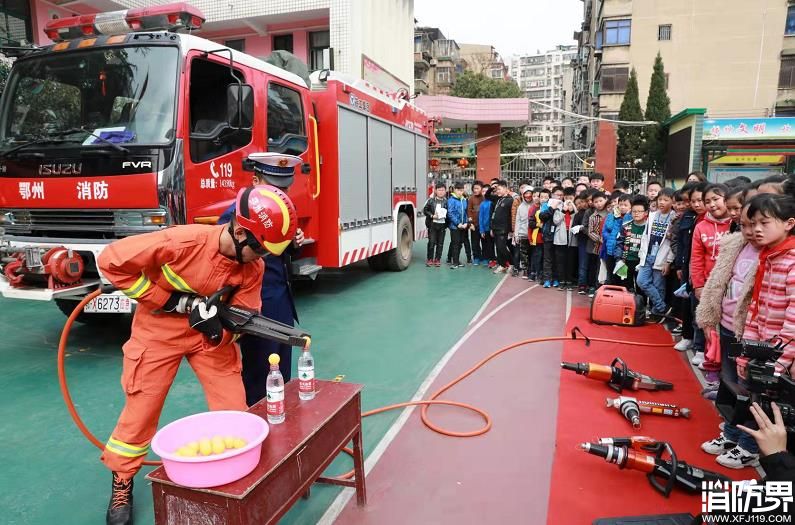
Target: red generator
{"x": 617, "y": 305}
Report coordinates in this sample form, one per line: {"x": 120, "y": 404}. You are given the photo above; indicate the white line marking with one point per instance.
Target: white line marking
{"x": 488, "y": 299}
{"x": 338, "y": 505}
{"x": 568, "y": 306}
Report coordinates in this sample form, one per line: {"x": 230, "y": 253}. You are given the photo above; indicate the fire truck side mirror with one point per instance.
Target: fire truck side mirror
{"x": 240, "y": 106}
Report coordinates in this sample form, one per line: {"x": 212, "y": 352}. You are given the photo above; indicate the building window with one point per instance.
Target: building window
{"x": 319, "y": 42}
{"x": 614, "y": 80}
{"x": 790, "y": 27}
{"x": 617, "y": 32}
{"x": 15, "y": 22}
{"x": 237, "y": 44}
{"x": 443, "y": 75}
{"x": 664, "y": 32}
{"x": 598, "y": 44}
{"x": 283, "y": 43}
{"x": 786, "y": 76}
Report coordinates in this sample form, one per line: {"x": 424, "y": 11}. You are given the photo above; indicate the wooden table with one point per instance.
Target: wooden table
{"x": 294, "y": 455}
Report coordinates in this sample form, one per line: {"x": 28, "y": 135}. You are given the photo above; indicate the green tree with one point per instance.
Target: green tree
{"x": 658, "y": 109}
{"x": 630, "y": 138}
{"x": 477, "y": 85}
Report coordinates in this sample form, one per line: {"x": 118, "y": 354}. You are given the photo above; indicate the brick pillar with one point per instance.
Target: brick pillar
{"x": 488, "y": 157}
{"x": 606, "y": 148}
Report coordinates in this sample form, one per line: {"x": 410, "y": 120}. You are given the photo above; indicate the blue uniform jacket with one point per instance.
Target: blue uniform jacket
{"x": 610, "y": 231}
{"x": 456, "y": 212}
{"x": 484, "y": 216}
{"x": 277, "y": 296}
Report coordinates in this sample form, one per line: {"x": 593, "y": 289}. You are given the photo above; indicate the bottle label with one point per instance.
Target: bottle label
{"x": 306, "y": 379}
{"x": 274, "y": 405}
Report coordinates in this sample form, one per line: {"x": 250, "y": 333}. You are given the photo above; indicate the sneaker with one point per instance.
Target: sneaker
{"x": 476, "y": 262}
{"x": 683, "y": 345}
{"x": 514, "y": 272}
{"x": 562, "y": 287}
{"x": 677, "y": 330}
{"x": 718, "y": 446}
{"x": 697, "y": 359}
{"x": 738, "y": 458}
{"x": 591, "y": 292}
{"x": 722, "y": 425}
{"x": 524, "y": 276}
{"x": 500, "y": 269}
{"x": 429, "y": 263}
{"x": 555, "y": 284}
{"x": 492, "y": 264}
{"x": 532, "y": 277}
{"x": 546, "y": 284}
{"x": 710, "y": 395}
{"x": 437, "y": 263}
{"x": 571, "y": 287}
{"x": 120, "y": 508}
{"x": 454, "y": 266}
{"x": 581, "y": 290}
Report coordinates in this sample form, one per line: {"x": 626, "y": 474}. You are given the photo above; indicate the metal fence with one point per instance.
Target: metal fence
{"x": 524, "y": 170}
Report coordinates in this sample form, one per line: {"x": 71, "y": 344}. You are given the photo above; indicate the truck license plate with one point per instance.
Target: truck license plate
{"x": 109, "y": 304}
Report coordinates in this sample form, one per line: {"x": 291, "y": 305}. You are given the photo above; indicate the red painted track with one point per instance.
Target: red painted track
{"x": 424, "y": 477}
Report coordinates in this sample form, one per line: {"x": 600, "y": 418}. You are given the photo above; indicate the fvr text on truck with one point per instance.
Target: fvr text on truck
{"x": 124, "y": 126}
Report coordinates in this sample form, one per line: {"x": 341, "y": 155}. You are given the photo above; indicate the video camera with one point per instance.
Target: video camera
{"x": 762, "y": 386}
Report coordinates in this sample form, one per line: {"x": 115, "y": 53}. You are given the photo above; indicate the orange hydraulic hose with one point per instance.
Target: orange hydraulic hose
{"x": 425, "y": 403}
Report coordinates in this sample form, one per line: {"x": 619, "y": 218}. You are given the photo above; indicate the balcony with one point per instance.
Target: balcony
{"x": 446, "y": 49}
{"x": 421, "y": 86}
{"x": 421, "y": 61}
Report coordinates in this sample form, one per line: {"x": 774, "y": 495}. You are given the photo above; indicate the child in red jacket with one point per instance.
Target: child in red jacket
{"x": 704, "y": 253}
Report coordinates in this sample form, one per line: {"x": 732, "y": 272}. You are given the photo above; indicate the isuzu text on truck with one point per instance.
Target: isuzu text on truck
{"x": 123, "y": 126}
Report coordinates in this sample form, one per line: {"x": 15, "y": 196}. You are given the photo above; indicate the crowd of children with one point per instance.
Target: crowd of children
{"x": 716, "y": 261}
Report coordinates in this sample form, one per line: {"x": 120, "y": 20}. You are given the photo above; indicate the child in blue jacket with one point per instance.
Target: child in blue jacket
{"x": 620, "y": 207}
{"x": 457, "y": 222}
{"x": 484, "y": 227}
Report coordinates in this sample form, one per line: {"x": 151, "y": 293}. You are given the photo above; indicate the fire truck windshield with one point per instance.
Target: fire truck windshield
{"x": 119, "y": 95}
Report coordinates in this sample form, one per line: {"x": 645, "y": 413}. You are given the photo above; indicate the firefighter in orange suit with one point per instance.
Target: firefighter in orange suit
{"x": 171, "y": 274}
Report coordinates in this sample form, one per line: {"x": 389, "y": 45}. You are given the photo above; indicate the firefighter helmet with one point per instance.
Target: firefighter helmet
{"x": 269, "y": 217}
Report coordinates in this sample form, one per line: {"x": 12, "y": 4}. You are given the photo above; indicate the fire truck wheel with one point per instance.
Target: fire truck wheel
{"x": 399, "y": 258}
{"x": 67, "y": 306}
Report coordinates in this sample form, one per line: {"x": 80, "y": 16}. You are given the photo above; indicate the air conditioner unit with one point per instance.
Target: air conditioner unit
{"x": 433, "y": 62}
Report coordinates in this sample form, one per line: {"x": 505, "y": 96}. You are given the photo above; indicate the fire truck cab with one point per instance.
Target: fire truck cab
{"x": 124, "y": 126}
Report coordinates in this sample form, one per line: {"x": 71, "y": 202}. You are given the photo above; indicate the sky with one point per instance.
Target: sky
{"x": 513, "y": 27}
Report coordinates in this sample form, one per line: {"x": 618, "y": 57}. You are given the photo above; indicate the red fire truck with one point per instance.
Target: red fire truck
{"x": 125, "y": 126}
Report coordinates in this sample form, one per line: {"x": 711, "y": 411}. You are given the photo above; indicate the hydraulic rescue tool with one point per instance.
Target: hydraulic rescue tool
{"x": 618, "y": 376}
{"x": 631, "y": 409}
{"x": 673, "y": 471}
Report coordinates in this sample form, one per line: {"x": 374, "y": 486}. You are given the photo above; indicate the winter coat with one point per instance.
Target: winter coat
{"x": 501, "y": 215}
{"x": 684, "y": 236}
{"x": 610, "y": 233}
{"x": 595, "y": 223}
{"x": 534, "y": 234}
{"x": 576, "y": 220}
{"x": 430, "y": 208}
{"x": 456, "y": 212}
{"x": 664, "y": 253}
{"x": 705, "y": 248}
{"x": 547, "y": 226}
{"x": 708, "y": 312}
{"x": 779, "y": 467}
{"x": 473, "y": 208}
{"x": 776, "y": 315}
{"x": 520, "y": 227}
{"x": 484, "y": 217}
{"x": 561, "y": 233}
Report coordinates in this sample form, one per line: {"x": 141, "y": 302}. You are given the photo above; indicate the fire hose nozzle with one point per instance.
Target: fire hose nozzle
{"x": 580, "y": 368}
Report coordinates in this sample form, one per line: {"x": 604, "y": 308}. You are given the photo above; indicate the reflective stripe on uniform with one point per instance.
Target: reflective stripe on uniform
{"x": 175, "y": 280}
{"x": 137, "y": 290}
{"x": 125, "y": 449}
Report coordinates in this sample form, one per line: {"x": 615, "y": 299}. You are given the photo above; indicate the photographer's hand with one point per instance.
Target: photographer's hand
{"x": 771, "y": 437}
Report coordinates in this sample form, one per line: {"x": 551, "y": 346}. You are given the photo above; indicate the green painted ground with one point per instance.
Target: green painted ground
{"x": 385, "y": 330}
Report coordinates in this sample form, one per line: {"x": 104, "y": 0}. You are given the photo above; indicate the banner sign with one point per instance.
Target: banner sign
{"x": 777, "y": 128}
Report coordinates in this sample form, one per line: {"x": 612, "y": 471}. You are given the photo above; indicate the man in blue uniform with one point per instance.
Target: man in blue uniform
{"x": 277, "y": 299}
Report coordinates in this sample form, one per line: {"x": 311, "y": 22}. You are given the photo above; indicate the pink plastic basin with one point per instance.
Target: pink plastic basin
{"x": 215, "y": 470}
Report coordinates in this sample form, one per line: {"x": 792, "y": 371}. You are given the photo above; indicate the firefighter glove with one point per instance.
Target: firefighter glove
{"x": 205, "y": 318}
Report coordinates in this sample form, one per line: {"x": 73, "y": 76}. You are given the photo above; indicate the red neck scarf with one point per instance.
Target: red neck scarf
{"x": 765, "y": 254}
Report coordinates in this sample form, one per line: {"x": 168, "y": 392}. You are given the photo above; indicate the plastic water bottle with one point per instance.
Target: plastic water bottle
{"x": 306, "y": 375}
{"x": 274, "y": 405}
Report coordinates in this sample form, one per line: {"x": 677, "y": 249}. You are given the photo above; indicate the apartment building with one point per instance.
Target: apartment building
{"x": 436, "y": 62}
{"x": 483, "y": 59}
{"x": 734, "y": 57}
{"x": 546, "y": 79}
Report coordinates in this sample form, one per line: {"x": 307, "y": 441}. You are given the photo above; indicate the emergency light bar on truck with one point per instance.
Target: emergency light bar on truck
{"x": 171, "y": 17}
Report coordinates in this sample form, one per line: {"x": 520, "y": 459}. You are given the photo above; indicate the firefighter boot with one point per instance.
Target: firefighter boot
{"x": 120, "y": 508}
